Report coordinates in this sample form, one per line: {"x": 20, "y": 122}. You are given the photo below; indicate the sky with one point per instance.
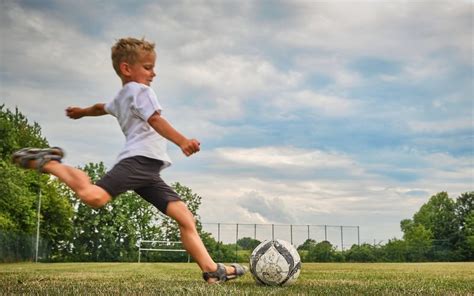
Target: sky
{"x": 308, "y": 112}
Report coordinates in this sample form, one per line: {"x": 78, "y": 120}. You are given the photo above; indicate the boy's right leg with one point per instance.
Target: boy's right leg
{"x": 192, "y": 242}
{"x": 92, "y": 195}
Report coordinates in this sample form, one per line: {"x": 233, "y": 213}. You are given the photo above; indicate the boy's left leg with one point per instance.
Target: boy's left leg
{"x": 48, "y": 160}
{"x": 76, "y": 179}
{"x": 190, "y": 238}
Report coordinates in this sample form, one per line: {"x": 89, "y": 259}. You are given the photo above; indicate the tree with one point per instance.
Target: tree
{"x": 248, "y": 243}
{"x": 19, "y": 190}
{"x": 469, "y": 244}
{"x": 395, "y": 250}
{"x": 169, "y": 229}
{"x": 306, "y": 245}
{"x": 217, "y": 250}
{"x": 438, "y": 215}
{"x": 464, "y": 211}
{"x": 16, "y": 132}
{"x": 56, "y": 219}
{"x": 110, "y": 233}
{"x": 323, "y": 252}
{"x": 418, "y": 240}
{"x": 362, "y": 253}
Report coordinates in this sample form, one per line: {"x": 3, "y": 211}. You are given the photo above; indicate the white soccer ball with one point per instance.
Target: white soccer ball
{"x": 275, "y": 262}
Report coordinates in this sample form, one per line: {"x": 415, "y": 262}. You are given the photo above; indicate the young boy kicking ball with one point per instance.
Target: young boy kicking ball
{"x": 139, "y": 163}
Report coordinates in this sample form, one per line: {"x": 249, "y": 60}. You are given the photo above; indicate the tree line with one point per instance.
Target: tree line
{"x": 441, "y": 230}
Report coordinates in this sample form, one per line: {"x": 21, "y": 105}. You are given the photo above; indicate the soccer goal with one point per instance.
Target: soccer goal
{"x": 159, "y": 246}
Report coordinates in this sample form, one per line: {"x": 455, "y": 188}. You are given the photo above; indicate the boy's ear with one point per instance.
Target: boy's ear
{"x": 125, "y": 69}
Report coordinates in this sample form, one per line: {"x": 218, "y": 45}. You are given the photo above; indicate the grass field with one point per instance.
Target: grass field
{"x": 185, "y": 279}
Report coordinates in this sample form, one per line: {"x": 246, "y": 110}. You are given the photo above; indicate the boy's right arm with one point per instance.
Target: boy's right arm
{"x": 164, "y": 128}
{"x": 94, "y": 110}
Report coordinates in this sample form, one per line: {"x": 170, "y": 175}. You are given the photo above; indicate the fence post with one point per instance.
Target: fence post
{"x": 358, "y": 236}
{"x": 38, "y": 219}
{"x": 342, "y": 239}
{"x": 139, "y": 250}
{"x": 236, "y": 239}
{"x": 291, "y": 233}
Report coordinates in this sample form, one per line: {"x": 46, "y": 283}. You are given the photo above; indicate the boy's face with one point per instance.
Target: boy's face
{"x": 143, "y": 70}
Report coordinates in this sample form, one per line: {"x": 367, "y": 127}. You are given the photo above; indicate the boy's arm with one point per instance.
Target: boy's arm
{"x": 164, "y": 128}
{"x": 94, "y": 110}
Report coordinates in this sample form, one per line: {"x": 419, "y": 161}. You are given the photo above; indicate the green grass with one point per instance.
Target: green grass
{"x": 185, "y": 279}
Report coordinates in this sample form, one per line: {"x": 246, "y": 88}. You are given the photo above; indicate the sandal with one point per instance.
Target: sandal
{"x": 221, "y": 275}
{"x": 239, "y": 271}
{"x": 24, "y": 156}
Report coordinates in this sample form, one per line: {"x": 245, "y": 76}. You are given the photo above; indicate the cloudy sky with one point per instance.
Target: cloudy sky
{"x": 308, "y": 112}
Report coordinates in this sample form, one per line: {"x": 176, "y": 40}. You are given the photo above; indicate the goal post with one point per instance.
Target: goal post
{"x": 158, "y": 246}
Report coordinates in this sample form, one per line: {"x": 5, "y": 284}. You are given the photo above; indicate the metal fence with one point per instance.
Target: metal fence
{"x": 16, "y": 247}
{"x": 340, "y": 236}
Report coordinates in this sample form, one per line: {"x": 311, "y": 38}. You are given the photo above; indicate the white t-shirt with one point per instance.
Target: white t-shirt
{"x": 132, "y": 107}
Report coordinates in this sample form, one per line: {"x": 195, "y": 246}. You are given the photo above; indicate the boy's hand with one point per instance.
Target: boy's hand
{"x": 74, "y": 112}
{"x": 190, "y": 147}
{"x": 94, "y": 110}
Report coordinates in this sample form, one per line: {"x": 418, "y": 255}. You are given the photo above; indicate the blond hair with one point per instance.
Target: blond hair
{"x": 128, "y": 50}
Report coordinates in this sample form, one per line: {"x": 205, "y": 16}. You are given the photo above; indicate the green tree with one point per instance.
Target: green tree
{"x": 56, "y": 219}
{"x": 169, "y": 228}
{"x": 110, "y": 233}
{"x": 395, "y": 251}
{"x": 464, "y": 211}
{"x": 217, "y": 250}
{"x": 438, "y": 215}
{"x": 16, "y": 132}
{"x": 307, "y": 244}
{"x": 362, "y": 253}
{"x": 323, "y": 252}
{"x": 248, "y": 243}
{"x": 19, "y": 189}
{"x": 418, "y": 240}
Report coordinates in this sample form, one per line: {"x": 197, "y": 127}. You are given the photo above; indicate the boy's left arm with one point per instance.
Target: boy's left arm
{"x": 164, "y": 128}
{"x": 94, "y": 110}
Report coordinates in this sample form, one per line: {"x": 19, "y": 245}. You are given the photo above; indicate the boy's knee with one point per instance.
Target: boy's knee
{"x": 93, "y": 197}
{"x": 98, "y": 202}
{"x": 186, "y": 219}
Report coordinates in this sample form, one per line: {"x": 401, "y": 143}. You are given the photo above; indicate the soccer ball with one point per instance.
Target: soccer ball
{"x": 275, "y": 262}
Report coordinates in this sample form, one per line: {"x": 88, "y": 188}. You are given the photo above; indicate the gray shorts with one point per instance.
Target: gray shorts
{"x": 140, "y": 174}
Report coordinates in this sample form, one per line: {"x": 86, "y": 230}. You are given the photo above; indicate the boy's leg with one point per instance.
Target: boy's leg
{"x": 190, "y": 237}
{"x": 92, "y": 195}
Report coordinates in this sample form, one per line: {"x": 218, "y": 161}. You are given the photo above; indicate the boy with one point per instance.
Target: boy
{"x": 139, "y": 163}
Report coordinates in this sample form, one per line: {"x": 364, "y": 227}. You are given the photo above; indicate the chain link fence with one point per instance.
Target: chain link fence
{"x": 342, "y": 237}
{"x": 15, "y": 247}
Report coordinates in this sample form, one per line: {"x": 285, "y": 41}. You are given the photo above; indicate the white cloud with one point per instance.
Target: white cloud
{"x": 285, "y": 158}
{"x": 237, "y": 75}
{"x": 320, "y": 104}
{"x": 382, "y": 29}
{"x": 50, "y": 50}
{"x": 440, "y": 126}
